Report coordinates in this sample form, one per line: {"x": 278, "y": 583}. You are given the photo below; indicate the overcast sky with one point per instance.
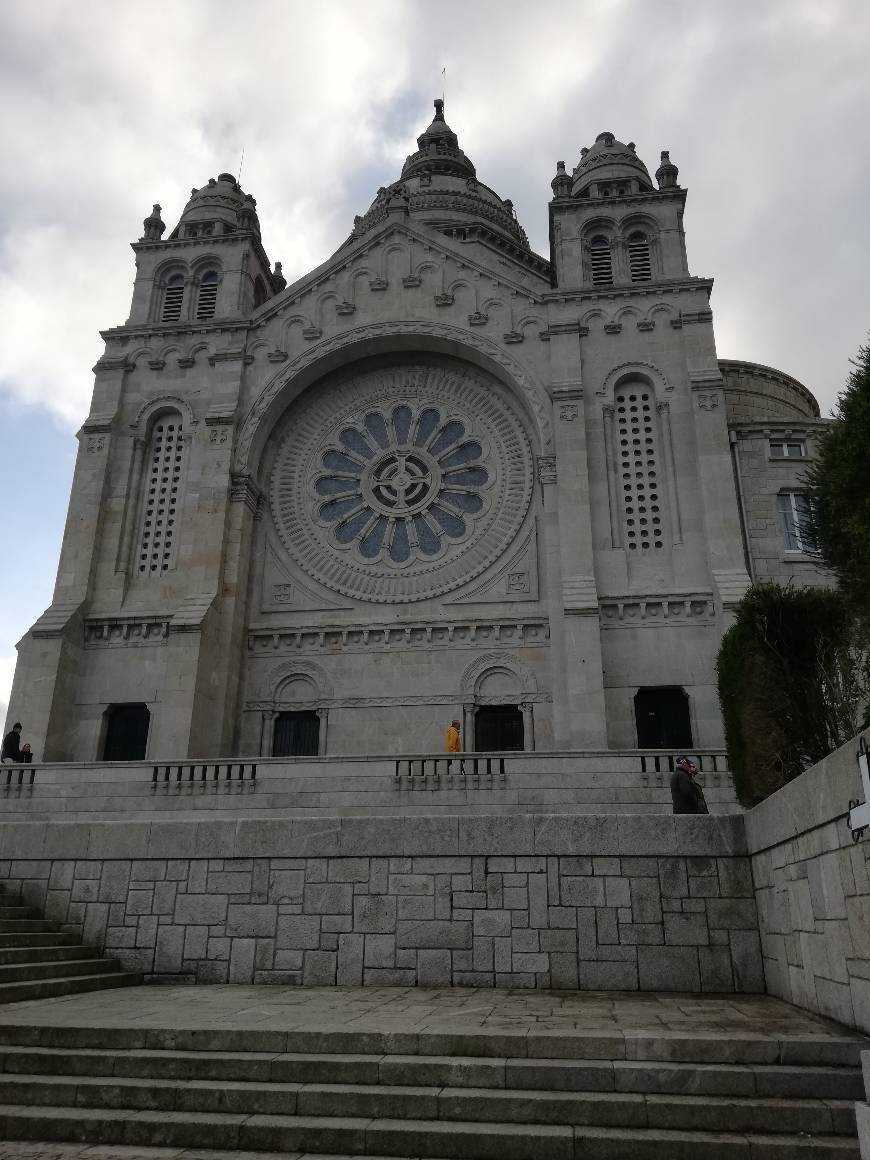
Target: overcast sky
{"x": 110, "y": 105}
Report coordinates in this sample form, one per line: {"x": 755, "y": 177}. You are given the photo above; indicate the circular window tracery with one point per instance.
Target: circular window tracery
{"x": 400, "y": 484}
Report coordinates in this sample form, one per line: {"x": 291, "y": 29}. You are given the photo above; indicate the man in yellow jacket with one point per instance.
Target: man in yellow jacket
{"x": 452, "y": 742}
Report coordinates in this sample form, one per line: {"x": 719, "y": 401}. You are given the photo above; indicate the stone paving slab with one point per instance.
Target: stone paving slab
{"x": 628, "y": 1016}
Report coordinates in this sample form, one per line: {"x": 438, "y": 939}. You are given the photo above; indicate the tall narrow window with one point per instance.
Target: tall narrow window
{"x": 794, "y": 515}
{"x": 639, "y": 467}
{"x": 207, "y": 298}
{"x": 162, "y": 499}
{"x": 602, "y": 262}
{"x": 173, "y": 298}
{"x": 639, "y": 263}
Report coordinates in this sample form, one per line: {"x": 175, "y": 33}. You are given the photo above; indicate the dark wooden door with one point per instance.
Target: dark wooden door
{"x": 297, "y": 734}
{"x": 126, "y": 733}
{"x": 498, "y": 727}
{"x": 662, "y": 718}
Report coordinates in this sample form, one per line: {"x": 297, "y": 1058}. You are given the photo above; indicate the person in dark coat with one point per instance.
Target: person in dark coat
{"x": 686, "y": 795}
{"x": 12, "y": 744}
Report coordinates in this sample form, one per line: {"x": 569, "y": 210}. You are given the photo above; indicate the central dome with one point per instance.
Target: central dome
{"x": 439, "y": 186}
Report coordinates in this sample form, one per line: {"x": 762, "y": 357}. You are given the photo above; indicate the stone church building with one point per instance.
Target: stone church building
{"x": 440, "y": 476}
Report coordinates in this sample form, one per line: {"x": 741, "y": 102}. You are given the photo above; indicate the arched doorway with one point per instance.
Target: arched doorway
{"x": 126, "y": 737}
{"x": 661, "y": 714}
{"x": 498, "y": 727}
{"x": 297, "y": 734}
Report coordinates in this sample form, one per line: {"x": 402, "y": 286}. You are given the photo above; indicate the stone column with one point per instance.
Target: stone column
{"x": 528, "y": 727}
{"x": 323, "y": 718}
{"x": 468, "y": 728}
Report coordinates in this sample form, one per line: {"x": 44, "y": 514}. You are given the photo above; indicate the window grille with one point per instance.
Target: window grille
{"x": 639, "y": 264}
{"x": 794, "y": 516}
{"x": 780, "y": 450}
{"x": 602, "y": 262}
{"x": 207, "y": 299}
{"x": 162, "y": 500}
{"x": 173, "y": 298}
{"x": 639, "y": 468}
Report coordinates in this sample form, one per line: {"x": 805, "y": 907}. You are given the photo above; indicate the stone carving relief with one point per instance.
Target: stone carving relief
{"x": 400, "y": 484}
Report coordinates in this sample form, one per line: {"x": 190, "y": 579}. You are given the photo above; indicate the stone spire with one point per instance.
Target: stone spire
{"x": 153, "y": 225}
{"x": 667, "y": 172}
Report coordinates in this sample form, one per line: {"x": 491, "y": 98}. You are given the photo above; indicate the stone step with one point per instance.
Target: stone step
{"x": 52, "y": 952}
{"x": 22, "y": 972}
{"x": 478, "y": 1105}
{"x": 66, "y": 985}
{"x": 652, "y": 1046}
{"x": 25, "y": 925}
{"x": 36, "y": 938}
{"x": 556, "y": 1075}
{"x": 461, "y": 1140}
{"x": 12, "y": 912}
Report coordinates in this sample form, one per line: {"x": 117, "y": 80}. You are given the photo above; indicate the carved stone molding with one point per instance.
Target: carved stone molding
{"x": 532, "y": 392}
{"x": 649, "y": 611}
{"x": 641, "y": 367}
{"x": 382, "y": 637}
{"x": 579, "y": 594}
{"x": 126, "y": 630}
{"x": 546, "y": 466}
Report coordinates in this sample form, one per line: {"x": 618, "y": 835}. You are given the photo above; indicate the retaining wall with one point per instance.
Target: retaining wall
{"x": 813, "y": 891}
{"x": 595, "y": 901}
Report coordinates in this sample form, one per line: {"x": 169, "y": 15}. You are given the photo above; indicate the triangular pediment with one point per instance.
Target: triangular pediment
{"x": 414, "y": 257}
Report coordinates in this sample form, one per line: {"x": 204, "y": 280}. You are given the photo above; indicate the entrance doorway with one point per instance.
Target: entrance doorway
{"x": 126, "y": 732}
{"x": 498, "y": 727}
{"x": 297, "y": 734}
{"x": 662, "y": 718}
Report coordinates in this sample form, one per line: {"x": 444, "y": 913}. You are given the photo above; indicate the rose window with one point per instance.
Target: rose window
{"x": 401, "y": 484}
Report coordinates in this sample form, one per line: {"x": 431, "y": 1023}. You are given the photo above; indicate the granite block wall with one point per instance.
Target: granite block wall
{"x": 813, "y": 891}
{"x": 495, "y": 913}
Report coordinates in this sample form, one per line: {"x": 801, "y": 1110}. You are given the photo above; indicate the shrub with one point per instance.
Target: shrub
{"x": 794, "y": 682}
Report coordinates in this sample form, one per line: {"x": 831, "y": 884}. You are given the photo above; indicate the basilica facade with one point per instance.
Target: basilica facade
{"x": 438, "y": 477}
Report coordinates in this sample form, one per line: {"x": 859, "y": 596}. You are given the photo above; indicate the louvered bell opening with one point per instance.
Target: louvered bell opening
{"x": 172, "y": 300}
{"x": 602, "y": 264}
{"x": 207, "y": 300}
{"x": 638, "y": 258}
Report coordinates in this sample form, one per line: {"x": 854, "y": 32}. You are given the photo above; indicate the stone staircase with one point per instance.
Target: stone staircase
{"x": 39, "y": 960}
{"x": 468, "y": 1096}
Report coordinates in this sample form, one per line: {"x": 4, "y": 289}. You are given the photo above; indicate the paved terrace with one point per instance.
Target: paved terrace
{"x": 516, "y": 1018}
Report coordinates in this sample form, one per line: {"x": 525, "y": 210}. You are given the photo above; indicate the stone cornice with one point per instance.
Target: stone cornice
{"x": 630, "y": 290}
{"x": 264, "y": 640}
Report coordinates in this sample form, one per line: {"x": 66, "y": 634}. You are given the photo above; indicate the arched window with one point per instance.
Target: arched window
{"x": 260, "y": 292}
{"x": 498, "y": 728}
{"x": 173, "y": 299}
{"x": 639, "y": 262}
{"x": 296, "y": 734}
{"x": 206, "y": 300}
{"x": 638, "y": 467}
{"x": 161, "y": 502}
{"x": 601, "y": 261}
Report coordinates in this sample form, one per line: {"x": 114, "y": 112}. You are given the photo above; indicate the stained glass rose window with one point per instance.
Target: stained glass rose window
{"x": 402, "y": 482}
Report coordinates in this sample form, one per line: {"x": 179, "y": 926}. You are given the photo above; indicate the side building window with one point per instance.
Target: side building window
{"x": 638, "y": 467}
{"x": 206, "y": 299}
{"x": 601, "y": 261}
{"x": 782, "y": 450}
{"x": 173, "y": 299}
{"x": 161, "y": 502}
{"x": 639, "y": 261}
{"x": 794, "y": 515}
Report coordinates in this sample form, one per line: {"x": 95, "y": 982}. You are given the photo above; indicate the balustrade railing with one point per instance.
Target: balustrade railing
{"x": 463, "y": 770}
{"x": 204, "y": 773}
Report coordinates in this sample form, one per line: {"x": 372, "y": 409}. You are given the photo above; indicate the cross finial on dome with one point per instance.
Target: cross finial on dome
{"x": 439, "y": 108}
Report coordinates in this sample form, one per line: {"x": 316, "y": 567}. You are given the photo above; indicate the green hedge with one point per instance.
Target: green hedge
{"x": 794, "y": 684}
